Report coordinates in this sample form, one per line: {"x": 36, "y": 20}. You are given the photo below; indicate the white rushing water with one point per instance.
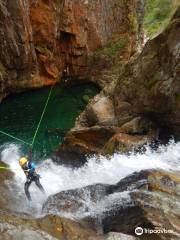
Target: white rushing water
{"x": 56, "y": 178}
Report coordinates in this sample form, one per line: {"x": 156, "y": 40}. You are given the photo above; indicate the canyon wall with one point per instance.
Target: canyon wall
{"x": 41, "y": 39}
{"x": 140, "y": 105}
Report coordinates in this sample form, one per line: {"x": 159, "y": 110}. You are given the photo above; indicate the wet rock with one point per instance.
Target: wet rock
{"x": 5, "y": 176}
{"x": 73, "y": 202}
{"x": 156, "y": 197}
{"x": 132, "y": 136}
{"x": 119, "y": 236}
{"x": 138, "y": 125}
{"x": 125, "y": 143}
{"x": 148, "y": 199}
{"x": 100, "y": 111}
{"x": 15, "y": 226}
{"x": 82, "y": 142}
{"x": 49, "y": 228}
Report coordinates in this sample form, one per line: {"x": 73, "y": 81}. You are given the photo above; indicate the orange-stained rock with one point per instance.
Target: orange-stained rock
{"x": 41, "y": 39}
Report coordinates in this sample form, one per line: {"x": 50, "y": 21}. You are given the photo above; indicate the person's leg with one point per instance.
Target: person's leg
{"x": 26, "y": 188}
{"x": 38, "y": 184}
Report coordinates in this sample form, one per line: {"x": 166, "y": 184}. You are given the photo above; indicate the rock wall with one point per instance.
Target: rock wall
{"x": 150, "y": 84}
{"x": 142, "y": 104}
{"x": 41, "y": 39}
{"x": 18, "y": 61}
{"x": 152, "y": 202}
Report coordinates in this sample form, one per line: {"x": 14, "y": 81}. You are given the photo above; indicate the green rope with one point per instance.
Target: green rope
{"x": 42, "y": 115}
{"x": 38, "y": 126}
{"x": 4, "y": 168}
{"x": 8, "y": 168}
{"x": 9, "y": 135}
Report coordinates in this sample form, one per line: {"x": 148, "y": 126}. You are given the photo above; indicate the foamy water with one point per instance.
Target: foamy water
{"x": 56, "y": 178}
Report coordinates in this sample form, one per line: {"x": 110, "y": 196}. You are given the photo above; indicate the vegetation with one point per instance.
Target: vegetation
{"x": 112, "y": 48}
{"x": 43, "y": 50}
{"x": 158, "y": 14}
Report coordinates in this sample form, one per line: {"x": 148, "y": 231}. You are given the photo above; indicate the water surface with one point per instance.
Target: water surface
{"x": 20, "y": 114}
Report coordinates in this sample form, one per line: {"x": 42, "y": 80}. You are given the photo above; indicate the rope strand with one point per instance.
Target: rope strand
{"x": 38, "y": 126}
{"x": 42, "y": 115}
{"x": 9, "y": 135}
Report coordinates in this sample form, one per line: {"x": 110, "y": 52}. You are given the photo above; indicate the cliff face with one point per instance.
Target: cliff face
{"x": 39, "y": 39}
{"x": 18, "y": 62}
{"x": 141, "y": 104}
{"x": 150, "y": 84}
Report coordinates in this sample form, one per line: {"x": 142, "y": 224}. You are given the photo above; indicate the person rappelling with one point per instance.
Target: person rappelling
{"x": 29, "y": 169}
{"x": 26, "y": 163}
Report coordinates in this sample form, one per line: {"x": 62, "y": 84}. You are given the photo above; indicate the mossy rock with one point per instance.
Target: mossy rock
{"x": 158, "y": 14}
{"x": 89, "y": 91}
{"x": 86, "y": 98}
{"x": 44, "y": 50}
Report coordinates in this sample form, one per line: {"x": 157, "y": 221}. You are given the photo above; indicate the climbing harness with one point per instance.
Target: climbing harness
{"x": 38, "y": 126}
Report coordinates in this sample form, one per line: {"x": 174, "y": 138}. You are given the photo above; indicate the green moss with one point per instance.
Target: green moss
{"x": 120, "y": 3}
{"x": 154, "y": 79}
{"x": 57, "y": 1}
{"x": 109, "y": 148}
{"x": 133, "y": 22}
{"x": 177, "y": 97}
{"x": 86, "y": 98}
{"x": 44, "y": 50}
{"x": 158, "y": 14}
{"x": 112, "y": 48}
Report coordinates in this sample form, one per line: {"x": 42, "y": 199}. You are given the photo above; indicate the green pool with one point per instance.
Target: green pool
{"x": 20, "y": 114}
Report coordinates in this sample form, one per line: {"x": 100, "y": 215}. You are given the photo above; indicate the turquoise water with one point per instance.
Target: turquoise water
{"x": 20, "y": 114}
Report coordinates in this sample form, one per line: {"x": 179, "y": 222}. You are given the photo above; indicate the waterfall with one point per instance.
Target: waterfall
{"x": 56, "y": 178}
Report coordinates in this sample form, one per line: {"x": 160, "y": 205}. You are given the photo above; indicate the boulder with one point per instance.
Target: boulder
{"x": 119, "y": 236}
{"x": 148, "y": 199}
{"x": 125, "y": 143}
{"x": 82, "y": 142}
{"x": 155, "y": 196}
{"x": 46, "y": 228}
{"x": 138, "y": 126}
{"x": 99, "y": 111}
{"x": 74, "y": 202}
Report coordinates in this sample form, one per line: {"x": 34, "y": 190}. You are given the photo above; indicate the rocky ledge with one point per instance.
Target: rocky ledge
{"x": 147, "y": 199}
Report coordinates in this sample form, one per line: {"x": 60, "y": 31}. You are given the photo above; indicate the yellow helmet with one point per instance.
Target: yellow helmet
{"x": 22, "y": 161}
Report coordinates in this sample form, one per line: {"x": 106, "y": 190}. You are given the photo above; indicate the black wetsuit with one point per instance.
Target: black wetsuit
{"x": 32, "y": 176}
